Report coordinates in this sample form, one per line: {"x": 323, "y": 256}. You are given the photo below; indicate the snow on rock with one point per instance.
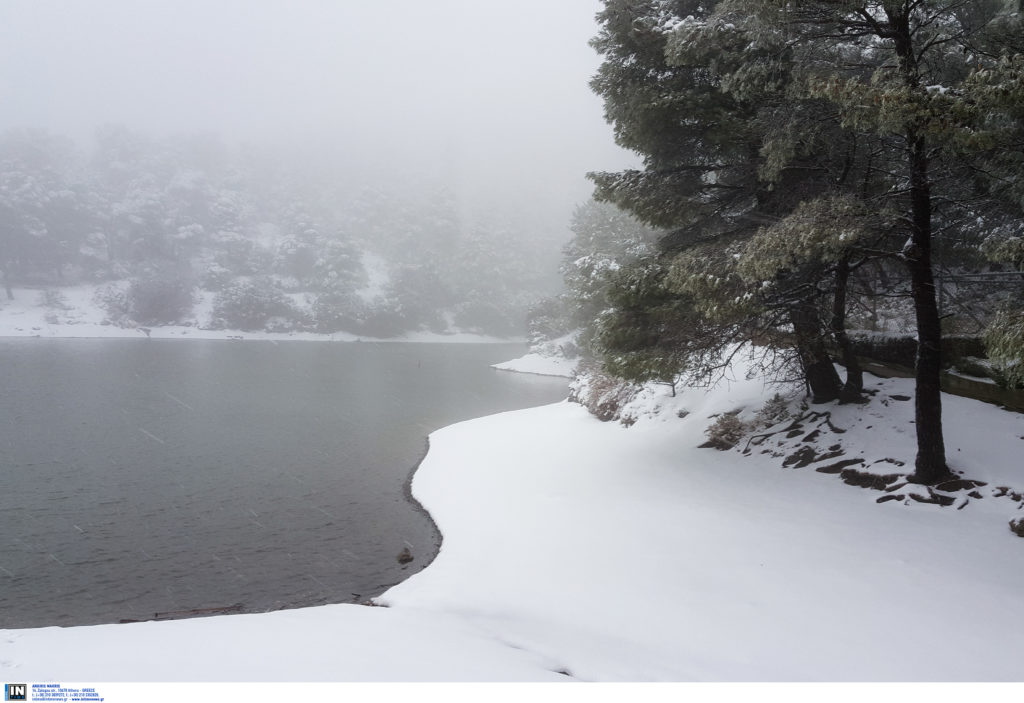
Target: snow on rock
{"x": 576, "y": 548}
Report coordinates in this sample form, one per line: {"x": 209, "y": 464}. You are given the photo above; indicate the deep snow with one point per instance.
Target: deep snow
{"x": 575, "y": 548}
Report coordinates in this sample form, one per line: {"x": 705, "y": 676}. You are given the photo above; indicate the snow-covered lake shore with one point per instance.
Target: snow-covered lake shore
{"x": 27, "y": 316}
{"x": 581, "y": 550}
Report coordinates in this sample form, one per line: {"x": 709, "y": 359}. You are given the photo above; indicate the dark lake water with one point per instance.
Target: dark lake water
{"x": 151, "y": 476}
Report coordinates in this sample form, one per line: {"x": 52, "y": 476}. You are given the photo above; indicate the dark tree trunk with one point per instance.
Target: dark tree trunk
{"x": 930, "y": 465}
{"x": 819, "y": 371}
{"x": 854, "y": 386}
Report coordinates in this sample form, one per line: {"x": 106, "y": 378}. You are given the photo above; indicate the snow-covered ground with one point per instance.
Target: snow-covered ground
{"x": 28, "y": 316}
{"x": 542, "y": 365}
{"x": 547, "y": 359}
{"x": 581, "y": 550}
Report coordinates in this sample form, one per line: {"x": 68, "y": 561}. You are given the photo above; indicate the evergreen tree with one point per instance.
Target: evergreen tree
{"x": 605, "y": 240}
{"x": 911, "y": 79}
{"x": 787, "y": 145}
{"x": 705, "y": 177}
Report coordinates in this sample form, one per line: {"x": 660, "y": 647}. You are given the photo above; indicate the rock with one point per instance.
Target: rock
{"x": 934, "y": 498}
{"x": 958, "y": 484}
{"x": 837, "y": 468}
{"x": 862, "y": 479}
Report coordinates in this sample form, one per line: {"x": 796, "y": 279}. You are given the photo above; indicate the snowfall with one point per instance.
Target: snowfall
{"x": 581, "y": 550}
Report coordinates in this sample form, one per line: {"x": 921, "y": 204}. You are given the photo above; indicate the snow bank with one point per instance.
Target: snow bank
{"x": 575, "y": 548}
{"x": 328, "y": 643}
{"x": 541, "y": 365}
{"x": 632, "y": 554}
{"x": 550, "y": 358}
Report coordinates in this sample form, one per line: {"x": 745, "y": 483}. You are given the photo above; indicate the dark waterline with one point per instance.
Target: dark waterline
{"x": 152, "y": 476}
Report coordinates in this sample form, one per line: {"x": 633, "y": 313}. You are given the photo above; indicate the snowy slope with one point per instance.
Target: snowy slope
{"x": 641, "y": 556}
{"x": 608, "y": 553}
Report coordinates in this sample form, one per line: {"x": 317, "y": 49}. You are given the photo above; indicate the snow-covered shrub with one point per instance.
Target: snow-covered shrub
{"x": 339, "y": 312}
{"x": 251, "y": 305}
{"x": 113, "y": 300}
{"x": 603, "y": 395}
{"x": 152, "y": 300}
{"x": 159, "y": 300}
{"x": 726, "y": 432}
{"x": 775, "y": 410}
{"x": 1017, "y": 527}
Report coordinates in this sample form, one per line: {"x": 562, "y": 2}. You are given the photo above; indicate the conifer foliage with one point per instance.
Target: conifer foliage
{"x": 799, "y": 155}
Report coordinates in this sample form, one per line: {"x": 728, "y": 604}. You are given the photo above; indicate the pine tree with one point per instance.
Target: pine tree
{"x": 911, "y": 78}
{"x": 705, "y": 177}
{"x": 605, "y": 240}
{"x": 789, "y": 145}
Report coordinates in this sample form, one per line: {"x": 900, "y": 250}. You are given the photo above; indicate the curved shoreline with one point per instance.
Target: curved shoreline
{"x": 438, "y": 538}
{"x": 401, "y": 456}
{"x": 553, "y": 518}
{"x": 422, "y": 509}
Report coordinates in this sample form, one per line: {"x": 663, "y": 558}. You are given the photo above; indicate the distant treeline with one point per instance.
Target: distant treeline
{"x": 280, "y": 244}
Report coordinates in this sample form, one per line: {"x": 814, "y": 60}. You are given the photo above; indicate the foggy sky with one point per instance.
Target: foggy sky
{"x": 481, "y": 91}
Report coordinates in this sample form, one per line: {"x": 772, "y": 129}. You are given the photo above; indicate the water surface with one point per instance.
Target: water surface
{"x": 151, "y": 476}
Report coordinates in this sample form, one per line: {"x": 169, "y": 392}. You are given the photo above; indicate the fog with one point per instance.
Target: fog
{"x": 302, "y": 171}
{"x": 489, "y": 96}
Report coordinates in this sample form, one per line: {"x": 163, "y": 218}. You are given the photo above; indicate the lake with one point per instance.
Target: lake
{"x": 157, "y": 476}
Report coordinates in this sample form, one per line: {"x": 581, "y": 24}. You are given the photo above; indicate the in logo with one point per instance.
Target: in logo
{"x": 15, "y": 692}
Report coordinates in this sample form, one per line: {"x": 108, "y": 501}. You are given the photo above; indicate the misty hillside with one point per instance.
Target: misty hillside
{"x": 163, "y": 223}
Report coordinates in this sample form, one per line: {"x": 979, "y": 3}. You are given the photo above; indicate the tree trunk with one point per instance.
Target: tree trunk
{"x": 854, "y": 386}
{"x": 930, "y": 465}
{"x": 819, "y": 372}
